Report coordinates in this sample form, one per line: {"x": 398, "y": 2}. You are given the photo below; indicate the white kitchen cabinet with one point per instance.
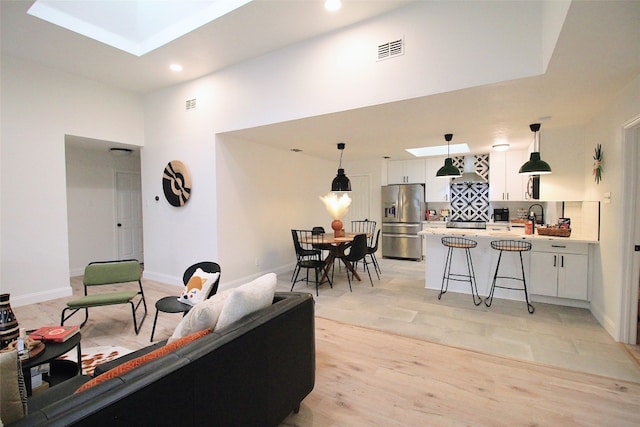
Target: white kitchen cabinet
{"x": 560, "y": 270}
{"x": 505, "y": 181}
{"x": 436, "y": 189}
{"x": 405, "y": 171}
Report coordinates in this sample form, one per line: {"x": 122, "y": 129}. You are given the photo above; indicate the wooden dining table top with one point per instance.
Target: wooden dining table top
{"x": 329, "y": 238}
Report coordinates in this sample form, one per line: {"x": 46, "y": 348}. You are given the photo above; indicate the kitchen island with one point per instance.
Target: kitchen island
{"x": 556, "y": 269}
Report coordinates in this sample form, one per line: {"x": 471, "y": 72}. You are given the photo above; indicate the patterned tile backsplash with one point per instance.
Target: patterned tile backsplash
{"x": 470, "y": 201}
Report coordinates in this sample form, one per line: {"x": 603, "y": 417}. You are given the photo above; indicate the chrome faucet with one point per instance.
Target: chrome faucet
{"x": 537, "y": 219}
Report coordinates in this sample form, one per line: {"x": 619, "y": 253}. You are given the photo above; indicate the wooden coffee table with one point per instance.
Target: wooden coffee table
{"x": 51, "y": 351}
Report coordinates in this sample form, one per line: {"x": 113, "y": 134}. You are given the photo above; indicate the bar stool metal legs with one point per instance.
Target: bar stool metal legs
{"x": 510, "y": 246}
{"x": 466, "y": 244}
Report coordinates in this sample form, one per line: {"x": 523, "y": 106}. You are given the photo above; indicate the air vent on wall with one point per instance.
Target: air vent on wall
{"x": 190, "y": 104}
{"x": 391, "y": 49}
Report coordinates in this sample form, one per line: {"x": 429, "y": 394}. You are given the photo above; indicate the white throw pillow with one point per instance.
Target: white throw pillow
{"x": 247, "y": 298}
{"x": 202, "y": 316}
{"x": 198, "y": 286}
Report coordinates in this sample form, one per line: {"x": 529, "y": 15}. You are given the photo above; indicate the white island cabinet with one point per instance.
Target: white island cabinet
{"x": 556, "y": 268}
{"x": 559, "y": 269}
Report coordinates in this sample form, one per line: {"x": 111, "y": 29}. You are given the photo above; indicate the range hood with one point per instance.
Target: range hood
{"x": 469, "y": 174}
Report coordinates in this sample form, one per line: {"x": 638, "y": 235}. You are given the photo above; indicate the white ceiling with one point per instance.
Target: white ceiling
{"x": 596, "y": 56}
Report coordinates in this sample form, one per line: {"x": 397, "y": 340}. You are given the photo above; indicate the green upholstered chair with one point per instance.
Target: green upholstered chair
{"x": 103, "y": 273}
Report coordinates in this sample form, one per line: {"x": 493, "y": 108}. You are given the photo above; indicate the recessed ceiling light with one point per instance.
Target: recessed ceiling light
{"x": 175, "y": 67}
{"x": 439, "y": 150}
{"x": 500, "y": 145}
{"x": 332, "y": 5}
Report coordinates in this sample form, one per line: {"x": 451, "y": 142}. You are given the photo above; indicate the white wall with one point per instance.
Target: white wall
{"x": 340, "y": 71}
{"x": 564, "y": 150}
{"x": 91, "y": 198}
{"x": 176, "y": 237}
{"x": 263, "y": 193}
{"x": 327, "y": 74}
{"x": 40, "y": 106}
{"x": 606, "y": 129}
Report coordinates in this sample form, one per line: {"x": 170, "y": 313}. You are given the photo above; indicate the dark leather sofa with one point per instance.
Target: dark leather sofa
{"x": 255, "y": 372}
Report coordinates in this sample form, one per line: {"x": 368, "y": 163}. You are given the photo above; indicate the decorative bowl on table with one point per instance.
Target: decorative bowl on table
{"x": 35, "y": 347}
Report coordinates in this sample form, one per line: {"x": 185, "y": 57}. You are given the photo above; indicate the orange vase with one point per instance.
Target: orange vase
{"x": 336, "y": 225}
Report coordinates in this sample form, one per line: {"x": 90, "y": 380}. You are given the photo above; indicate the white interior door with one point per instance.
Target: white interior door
{"x": 360, "y": 207}
{"x": 129, "y": 216}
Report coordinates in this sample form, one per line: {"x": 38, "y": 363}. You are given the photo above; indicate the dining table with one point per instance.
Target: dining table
{"x": 337, "y": 246}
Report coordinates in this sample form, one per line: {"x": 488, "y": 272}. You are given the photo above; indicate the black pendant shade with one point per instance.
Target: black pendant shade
{"x": 341, "y": 182}
{"x": 535, "y": 165}
{"x": 448, "y": 170}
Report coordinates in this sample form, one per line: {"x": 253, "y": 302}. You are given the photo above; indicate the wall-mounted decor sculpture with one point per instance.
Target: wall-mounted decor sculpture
{"x": 176, "y": 183}
{"x": 597, "y": 163}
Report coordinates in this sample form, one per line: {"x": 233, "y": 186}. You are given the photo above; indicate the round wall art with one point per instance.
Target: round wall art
{"x": 176, "y": 183}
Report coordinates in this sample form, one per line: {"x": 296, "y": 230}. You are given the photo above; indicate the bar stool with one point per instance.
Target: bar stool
{"x": 510, "y": 246}
{"x": 466, "y": 244}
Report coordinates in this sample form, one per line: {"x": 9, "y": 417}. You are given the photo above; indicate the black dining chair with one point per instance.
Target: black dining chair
{"x": 305, "y": 243}
{"x": 322, "y": 246}
{"x": 301, "y": 252}
{"x": 364, "y": 226}
{"x": 371, "y": 251}
{"x": 357, "y": 252}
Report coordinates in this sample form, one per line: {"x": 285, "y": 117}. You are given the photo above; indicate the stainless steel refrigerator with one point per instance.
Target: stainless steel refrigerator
{"x": 402, "y": 213}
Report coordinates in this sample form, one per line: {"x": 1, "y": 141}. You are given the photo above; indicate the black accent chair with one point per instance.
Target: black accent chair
{"x": 357, "y": 253}
{"x": 171, "y": 304}
{"x": 308, "y": 256}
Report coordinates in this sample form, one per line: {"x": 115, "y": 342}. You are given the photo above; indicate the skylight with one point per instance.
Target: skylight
{"x": 439, "y": 150}
{"x": 135, "y": 26}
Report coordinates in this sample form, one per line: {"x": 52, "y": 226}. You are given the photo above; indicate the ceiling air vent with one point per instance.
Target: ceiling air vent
{"x": 190, "y": 104}
{"x": 391, "y": 49}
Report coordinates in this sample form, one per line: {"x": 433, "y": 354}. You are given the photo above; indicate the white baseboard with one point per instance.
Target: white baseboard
{"x": 177, "y": 281}
{"x": 37, "y": 297}
{"x": 605, "y": 322}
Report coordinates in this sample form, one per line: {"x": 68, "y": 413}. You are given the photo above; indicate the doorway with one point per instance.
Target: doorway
{"x": 129, "y": 216}
{"x": 630, "y": 323}
{"x": 92, "y": 200}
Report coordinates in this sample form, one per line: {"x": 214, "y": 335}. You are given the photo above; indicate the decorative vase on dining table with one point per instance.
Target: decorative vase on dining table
{"x": 338, "y": 231}
{"x": 9, "y": 330}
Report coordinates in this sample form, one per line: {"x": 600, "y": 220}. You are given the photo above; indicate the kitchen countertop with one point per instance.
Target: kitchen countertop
{"x": 514, "y": 233}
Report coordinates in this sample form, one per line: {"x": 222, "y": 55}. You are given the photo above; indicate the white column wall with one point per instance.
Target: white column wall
{"x": 606, "y": 129}
{"x": 40, "y": 106}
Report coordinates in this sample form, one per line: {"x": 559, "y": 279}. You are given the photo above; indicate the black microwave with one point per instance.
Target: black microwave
{"x": 501, "y": 214}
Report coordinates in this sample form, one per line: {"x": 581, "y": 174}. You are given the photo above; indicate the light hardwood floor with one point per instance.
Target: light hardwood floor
{"x": 366, "y": 377}
{"x": 373, "y": 377}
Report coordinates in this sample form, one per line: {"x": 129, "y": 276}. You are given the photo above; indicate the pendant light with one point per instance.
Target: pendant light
{"x": 341, "y": 182}
{"x": 448, "y": 170}
{"x": 535, "y": 165}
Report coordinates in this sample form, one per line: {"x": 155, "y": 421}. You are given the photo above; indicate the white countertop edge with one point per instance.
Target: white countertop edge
{"x": 497, "y": 235}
